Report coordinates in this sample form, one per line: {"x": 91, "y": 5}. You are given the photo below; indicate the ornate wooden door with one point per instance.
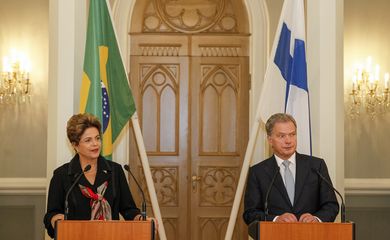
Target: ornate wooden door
{"x": 191, "y": 90}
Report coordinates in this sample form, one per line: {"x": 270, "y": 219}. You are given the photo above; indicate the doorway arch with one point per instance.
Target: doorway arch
{"x": 158, "y": 65}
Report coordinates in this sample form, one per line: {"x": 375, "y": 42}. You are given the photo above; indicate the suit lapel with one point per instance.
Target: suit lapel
{"x": 302, "y": 170}
{"x": 103, "y": 172}
{"x": 279, "y": 184}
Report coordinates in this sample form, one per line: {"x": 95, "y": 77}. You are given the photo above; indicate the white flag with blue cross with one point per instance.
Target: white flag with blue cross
{"x": 285, "y": 87}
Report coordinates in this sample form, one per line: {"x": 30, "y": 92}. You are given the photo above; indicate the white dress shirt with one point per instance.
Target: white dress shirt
{"x": 292, "y": 166}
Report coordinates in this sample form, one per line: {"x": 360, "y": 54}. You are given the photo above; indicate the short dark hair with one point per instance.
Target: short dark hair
{"x": 77, "y": 125}
{"x": 277, "y": 118}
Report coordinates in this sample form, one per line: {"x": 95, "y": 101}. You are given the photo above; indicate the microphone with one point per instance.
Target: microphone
{"x": 143, "y": 208}
{"x": 335, "y": 190}
{"x": 268, "y": 192}
{"x": 86, "y": 169}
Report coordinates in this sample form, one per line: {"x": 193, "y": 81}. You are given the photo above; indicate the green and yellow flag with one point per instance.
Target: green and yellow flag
{"x": 105, "y": 91}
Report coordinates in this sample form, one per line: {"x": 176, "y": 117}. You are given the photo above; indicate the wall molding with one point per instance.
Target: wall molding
{"x": 37, "y": 186}
{"x": 23, "y": 186}
{"x": 367, "y": 186}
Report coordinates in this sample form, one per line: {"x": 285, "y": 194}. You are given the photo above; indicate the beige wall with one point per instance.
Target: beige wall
{"x": 24, "y": 26}
{"x": 366, "y": 34}
{"x": 274, "y": 8}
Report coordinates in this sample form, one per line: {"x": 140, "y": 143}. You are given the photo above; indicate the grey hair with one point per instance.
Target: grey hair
{"x": 277, "y": 118}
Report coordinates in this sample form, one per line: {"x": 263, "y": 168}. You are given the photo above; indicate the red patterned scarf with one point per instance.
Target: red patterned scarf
{"x": 100, "y": 208}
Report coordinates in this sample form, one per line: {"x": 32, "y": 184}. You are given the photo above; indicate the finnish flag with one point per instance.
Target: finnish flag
{"x": 285, "y": 87}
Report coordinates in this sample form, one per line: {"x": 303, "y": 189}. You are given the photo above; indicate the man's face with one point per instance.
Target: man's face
{"x": 283, "y": 139}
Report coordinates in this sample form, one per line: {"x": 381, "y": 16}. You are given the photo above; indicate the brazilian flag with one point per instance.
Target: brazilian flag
{"x": 105, "y": 91}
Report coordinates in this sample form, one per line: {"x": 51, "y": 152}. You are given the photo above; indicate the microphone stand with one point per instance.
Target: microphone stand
{"x": 143, "y": 205}
{"x": 268, "y": 192}
{"x": 86, "y": 169}
{"x": 342, "y": 210}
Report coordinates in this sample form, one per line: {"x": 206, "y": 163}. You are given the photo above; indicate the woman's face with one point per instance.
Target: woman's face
{"x": 89, "y": 144}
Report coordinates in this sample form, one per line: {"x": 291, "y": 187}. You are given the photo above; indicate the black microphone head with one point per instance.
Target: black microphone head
{"x": 316, "y": 171}
{"x": 126, "y": 167}
{"x": 87, "y": 168}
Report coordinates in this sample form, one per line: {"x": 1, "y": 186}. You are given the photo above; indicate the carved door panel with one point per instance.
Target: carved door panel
{"x": 160, "y": 87}
{"x": 219, "y": 117}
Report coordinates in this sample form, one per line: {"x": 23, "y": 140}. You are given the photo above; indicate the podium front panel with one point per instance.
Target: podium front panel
{"x": 303, "y": 231}
{"x": 104, "y": 230}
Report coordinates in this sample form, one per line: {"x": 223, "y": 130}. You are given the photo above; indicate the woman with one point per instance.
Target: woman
{"x": 102, "y": 192}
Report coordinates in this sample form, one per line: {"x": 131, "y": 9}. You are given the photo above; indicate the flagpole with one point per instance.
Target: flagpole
{"x": 148, "y": 175}
{"x": 256, "y": 124}
{"x": 244, "y": 173}
{"x": 142, "y": 152}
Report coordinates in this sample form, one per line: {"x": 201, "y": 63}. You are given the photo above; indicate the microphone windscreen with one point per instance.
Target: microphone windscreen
{"x": 127, "y": 168}
{"x": 87, "y": 168}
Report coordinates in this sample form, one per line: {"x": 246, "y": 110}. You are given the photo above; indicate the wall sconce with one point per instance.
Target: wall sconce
{"x": 15, "y": 84}
{"x": 368, "y": 92}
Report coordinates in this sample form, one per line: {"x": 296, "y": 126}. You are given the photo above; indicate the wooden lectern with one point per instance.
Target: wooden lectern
{"x": 104, "y": 230}
{"x": 301, "y": 231}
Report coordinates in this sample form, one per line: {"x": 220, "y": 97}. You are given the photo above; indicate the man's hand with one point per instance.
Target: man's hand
{"x": 307, "y": 218}
{"x": 286, "y": 217}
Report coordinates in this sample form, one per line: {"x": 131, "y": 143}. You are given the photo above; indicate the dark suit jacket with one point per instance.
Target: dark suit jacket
{"x": 117, "y": 193}
{"x": 312, "y": 194}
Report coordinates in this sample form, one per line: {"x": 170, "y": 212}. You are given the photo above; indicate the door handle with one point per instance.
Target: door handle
{"x": 194, "y": 180}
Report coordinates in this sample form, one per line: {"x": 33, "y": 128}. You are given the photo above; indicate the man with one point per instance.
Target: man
{"x": 298, "y": 193}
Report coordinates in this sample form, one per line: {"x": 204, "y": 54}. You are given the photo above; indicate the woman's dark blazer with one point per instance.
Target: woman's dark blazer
{"x": 117, "y": 193}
